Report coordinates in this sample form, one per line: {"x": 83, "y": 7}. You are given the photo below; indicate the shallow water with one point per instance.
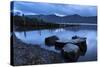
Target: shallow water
{"x": 37, "y": 37}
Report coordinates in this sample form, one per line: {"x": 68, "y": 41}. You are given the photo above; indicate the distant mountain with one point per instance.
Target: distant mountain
{"x": 66, "y": 19}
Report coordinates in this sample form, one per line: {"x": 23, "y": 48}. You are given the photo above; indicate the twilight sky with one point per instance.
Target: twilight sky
{"x": 51, "y": 8}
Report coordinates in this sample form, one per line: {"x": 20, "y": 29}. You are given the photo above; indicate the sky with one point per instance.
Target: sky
{"x": 35, "y": 8}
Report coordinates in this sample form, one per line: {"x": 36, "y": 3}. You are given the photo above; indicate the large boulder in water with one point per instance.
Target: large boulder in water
{"x": 70, "y": 52}
{"x": 50, "y": 41}
{"x": 81, "y": 43}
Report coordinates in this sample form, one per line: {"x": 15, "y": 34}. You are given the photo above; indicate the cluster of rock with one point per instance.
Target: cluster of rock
{"x": 28, "y": 54}
{"x": 70, "y": 50}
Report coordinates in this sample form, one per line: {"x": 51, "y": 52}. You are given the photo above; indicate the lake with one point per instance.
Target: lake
{"x": 37, "y": 37}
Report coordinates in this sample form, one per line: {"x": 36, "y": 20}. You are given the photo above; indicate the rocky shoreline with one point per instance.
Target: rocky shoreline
{"x": 27, "y": 54}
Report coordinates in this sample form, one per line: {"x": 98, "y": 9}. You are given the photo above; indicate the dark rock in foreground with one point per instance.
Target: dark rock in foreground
{"x": 81, "y": 43}
{"x": 71, "y": 52}
{"x": 25, "y": 54}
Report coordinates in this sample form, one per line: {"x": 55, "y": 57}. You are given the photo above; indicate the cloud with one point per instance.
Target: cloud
{"x": 48, "y": 8}
{"x": 61, "y": 15}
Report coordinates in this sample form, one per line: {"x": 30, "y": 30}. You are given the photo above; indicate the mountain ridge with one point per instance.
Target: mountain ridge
{"x": 65, "y": 19}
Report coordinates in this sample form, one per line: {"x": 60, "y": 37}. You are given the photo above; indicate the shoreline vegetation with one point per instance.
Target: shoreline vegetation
{"x": 27, "y": 23}
{"x": 27, "y": 54}
{"x": 21, "y": 23}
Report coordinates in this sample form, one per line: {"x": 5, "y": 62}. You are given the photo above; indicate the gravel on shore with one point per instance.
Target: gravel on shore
{"x": 27, "y": 54}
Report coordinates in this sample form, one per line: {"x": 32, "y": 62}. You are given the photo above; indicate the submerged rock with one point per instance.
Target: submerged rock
{"x": 59, "y": 44}
{"x": 50, "y": 41}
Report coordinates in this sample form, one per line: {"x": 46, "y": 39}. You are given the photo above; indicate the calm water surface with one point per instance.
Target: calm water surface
{"x": 37, "y": 37}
